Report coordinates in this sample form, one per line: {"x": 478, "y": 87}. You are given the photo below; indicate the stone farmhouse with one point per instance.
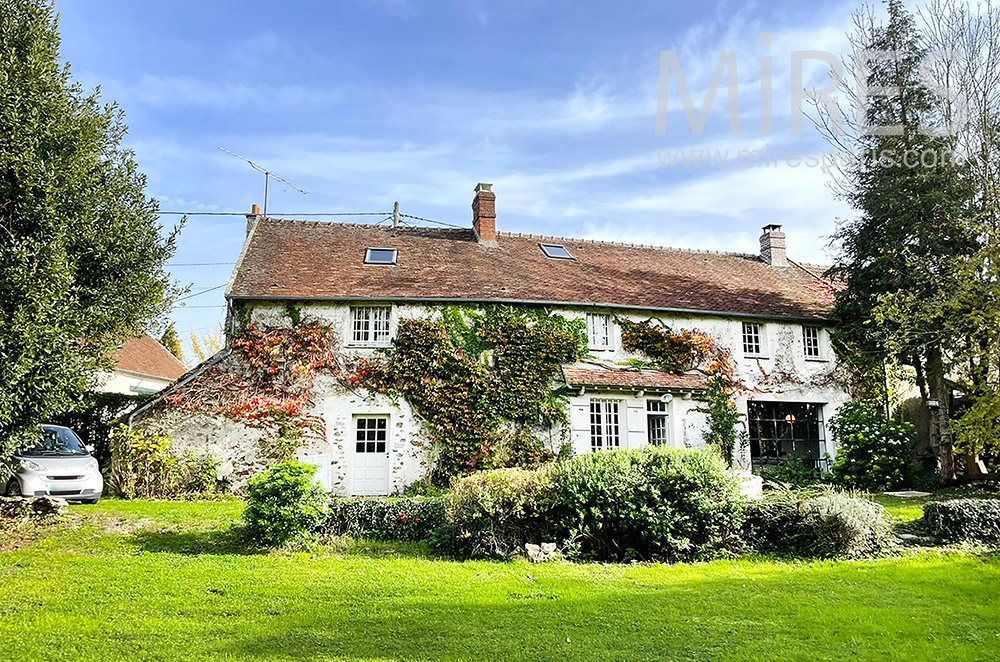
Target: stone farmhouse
{"x": 771, "y": 312}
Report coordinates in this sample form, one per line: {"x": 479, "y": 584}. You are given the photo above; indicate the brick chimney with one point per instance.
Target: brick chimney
{"x": 772, "y": 246}
{"x": 484, "y": 214}
{"x": 252, "y": 218}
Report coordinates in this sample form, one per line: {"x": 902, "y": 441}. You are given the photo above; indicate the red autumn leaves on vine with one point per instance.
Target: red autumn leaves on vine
{"x": 273, "y": 382}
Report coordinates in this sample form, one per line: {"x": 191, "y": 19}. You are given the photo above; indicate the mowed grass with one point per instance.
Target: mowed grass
{"x": 170, "y": 581}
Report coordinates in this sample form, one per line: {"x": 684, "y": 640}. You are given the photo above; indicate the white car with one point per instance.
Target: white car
{"x": 58, "y": 464}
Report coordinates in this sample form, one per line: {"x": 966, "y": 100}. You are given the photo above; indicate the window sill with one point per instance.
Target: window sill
{"x": 756, "y": 356}
{"x": 816, "y": 359}
{"x": 353, "y": 345}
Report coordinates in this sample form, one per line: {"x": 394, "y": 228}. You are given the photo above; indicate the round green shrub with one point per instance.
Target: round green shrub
{"x": 668, "y": 504}
{"x": 283, "y": 502}
{"x": 817, "y": 523}
{"x": 873, "y": 452}
{"x": 496, "y": 512}
{"x": 654, "y": 503}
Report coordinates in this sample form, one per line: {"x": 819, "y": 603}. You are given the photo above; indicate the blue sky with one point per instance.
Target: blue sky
{"x": 363, "y": 102}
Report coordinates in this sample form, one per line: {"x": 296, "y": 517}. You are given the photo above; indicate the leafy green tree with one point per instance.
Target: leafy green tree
{"x": 81, "y": 252}
{"x": 901, "y": 255}
{"x": 172, "y": 342}
{"x": 973, "y": 109}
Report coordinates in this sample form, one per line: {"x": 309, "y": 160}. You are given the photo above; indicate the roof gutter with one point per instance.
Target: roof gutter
{"x": 535, "y": 302}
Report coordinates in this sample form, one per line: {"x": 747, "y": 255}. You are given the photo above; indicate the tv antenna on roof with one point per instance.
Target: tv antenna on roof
{"x": 267, "y": 175}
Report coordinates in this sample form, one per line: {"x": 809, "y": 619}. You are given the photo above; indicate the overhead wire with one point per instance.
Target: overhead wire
{"x": 197, "y": 294}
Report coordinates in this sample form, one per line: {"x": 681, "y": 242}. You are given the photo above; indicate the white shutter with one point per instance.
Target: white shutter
{"x": 579, "y": 423}
{"x": 637, "y": 436}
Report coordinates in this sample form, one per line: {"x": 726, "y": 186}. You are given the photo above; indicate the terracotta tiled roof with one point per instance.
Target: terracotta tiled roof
{"x": 314, "y": 260}
{"x": 576, "y": 376}
{"x": 145, "y": 356}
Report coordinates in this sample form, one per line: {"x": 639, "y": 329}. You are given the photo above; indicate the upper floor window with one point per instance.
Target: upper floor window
{"x": 810, "y": 342}
{"x": 370, "y": 325}
{"x": 753, "y": 339}
{"x": 598, "y": 331}
{"x": 605, "y": 428}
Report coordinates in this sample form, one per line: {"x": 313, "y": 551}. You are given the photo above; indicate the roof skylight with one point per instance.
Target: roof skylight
{"x": 380, "y": 256}
{"x": 557, "y": 251}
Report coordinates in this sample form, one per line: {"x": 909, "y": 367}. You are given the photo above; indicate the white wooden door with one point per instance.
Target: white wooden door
{"x": 370, "y": 469}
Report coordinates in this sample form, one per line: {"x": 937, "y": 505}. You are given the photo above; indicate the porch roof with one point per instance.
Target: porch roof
{"x": 630, "y": 378}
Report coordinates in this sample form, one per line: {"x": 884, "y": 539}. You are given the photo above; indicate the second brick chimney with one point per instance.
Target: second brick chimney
{"x": 484, "y": 214}
{"x": 772, "y": 246}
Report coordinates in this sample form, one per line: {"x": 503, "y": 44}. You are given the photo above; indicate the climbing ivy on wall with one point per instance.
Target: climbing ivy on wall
{"x": 482, "y": 379}
{"x": 691, "y": 350}
{"x": 268, "y": 384}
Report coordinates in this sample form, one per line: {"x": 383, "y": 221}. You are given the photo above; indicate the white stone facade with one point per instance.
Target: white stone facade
{"x": 779, "y": 372}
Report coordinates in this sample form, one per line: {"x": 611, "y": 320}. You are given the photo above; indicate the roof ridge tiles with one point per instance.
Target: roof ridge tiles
{"x": 523, "y": 235}
{"x": 528, "y": 235}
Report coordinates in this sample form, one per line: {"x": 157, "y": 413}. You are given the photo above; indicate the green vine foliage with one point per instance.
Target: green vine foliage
{"x": 691, "y": 350}
{"x": 482, "y": 379}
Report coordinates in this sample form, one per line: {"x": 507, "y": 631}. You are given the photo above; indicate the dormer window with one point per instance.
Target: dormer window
{"x": 556, "y": 251}
{"x": 380, "y": 256}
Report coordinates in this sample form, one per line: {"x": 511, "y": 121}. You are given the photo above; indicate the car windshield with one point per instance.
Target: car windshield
{"x": 56, "y": 441}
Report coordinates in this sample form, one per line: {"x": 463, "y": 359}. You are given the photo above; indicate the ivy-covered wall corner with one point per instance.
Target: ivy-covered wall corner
{"x": 267, "y": 383}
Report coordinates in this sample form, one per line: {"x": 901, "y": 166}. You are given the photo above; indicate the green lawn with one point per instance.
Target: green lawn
{"x": 166, "y": 581}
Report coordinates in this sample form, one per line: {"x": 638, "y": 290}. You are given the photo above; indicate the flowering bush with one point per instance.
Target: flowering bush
{"x": 873, "y": 452}
{"x": 386, "y": 518}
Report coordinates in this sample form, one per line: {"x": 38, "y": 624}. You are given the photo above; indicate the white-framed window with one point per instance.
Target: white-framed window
{"x": 605, "y": 426}
{"x": 372, "y": 434}
{"x": 371, "y": 326}
{"x": 598, "y": 331}
{"x": 754, "y": 342}
{"x": 810, "y": 342}
{"x": 656, "y": 422}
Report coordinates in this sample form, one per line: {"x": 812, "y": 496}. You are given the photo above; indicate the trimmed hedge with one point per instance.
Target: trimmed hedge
{"x": 654, "y": 503}
{"x": 817, "y": 524}
{"x": 973, "y": 520}
{"x": 376, "y": 518}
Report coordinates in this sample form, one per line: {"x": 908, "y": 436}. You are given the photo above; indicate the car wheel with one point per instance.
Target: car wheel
{"x": 13, "y": 488}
